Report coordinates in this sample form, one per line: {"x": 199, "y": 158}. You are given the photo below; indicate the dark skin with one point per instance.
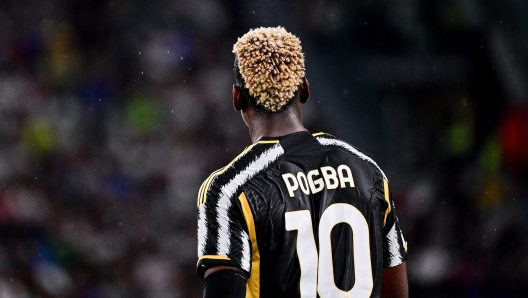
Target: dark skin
{"x": 262, "y": 124}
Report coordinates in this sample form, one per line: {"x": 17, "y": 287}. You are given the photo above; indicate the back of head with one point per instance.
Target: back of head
{"x": 269, "y": 66}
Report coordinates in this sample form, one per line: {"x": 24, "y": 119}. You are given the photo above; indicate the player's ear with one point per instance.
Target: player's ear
{"x": 239, "y": 103}
{"x": 305, "y": 90}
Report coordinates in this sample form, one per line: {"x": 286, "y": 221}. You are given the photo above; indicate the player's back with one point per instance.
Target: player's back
{"x": 317, "y": 215}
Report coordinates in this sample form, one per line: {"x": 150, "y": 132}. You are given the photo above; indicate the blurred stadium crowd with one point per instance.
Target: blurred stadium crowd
{"x": 112, "y": 113}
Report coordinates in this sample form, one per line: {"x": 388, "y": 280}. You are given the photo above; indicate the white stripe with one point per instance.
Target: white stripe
{"x": 202, "y": 230}
{"x": 395, "y": 257}
{"x": 229, "y": 189}
{"x": 246, "y": 253}
{"x": 326, "y": 142}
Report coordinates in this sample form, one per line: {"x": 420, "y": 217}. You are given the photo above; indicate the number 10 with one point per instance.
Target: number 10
{"x": 317, "y": 272}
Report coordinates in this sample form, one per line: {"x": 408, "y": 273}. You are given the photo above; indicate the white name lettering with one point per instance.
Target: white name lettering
{"x": 313, "y": 183}
{"x": 291, "y": 183}
{"x": 344, "y": 179}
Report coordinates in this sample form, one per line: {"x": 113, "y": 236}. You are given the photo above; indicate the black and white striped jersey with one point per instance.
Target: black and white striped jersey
{"x": 304, "y": 215}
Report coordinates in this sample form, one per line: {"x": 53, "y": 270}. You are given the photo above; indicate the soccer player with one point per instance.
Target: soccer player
{"x": 296, "y": 214}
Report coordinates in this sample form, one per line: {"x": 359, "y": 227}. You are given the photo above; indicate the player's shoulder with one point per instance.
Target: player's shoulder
{"x": 328, "y": 140}
{"x": 337, "y": 144}
{"x": 227, "y": 180}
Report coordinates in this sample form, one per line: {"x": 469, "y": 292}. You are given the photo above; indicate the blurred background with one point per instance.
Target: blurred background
{"x": 112, "y": 113}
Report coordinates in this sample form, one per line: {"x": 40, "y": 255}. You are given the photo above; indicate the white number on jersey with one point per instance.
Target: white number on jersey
{"x": 317, "y": 272}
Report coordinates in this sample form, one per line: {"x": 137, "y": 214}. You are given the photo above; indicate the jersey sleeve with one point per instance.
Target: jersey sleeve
{"x": 222, "y": 233}
{"x": 394, "y": 245}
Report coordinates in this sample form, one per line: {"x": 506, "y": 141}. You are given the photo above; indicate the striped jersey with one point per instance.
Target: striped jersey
{"x": 304, "y": 215}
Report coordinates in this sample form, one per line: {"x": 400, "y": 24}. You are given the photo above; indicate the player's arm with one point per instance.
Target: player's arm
{"x": 394, "y": 277}
{"x": 224, "y": 270}
{"x": 224, "y": 281}
{"x": 394, "y": 282}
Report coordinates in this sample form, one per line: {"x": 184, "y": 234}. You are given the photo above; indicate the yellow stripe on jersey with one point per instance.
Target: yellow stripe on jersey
{"x": 318, "y": 134}
{"x": 253, "y": 285}
{"x": 205, "y": 186}
{"x": 202, "y": 194}
{"x": 386, "y": 191}
{"x": 213, "y": 257}
{"x": 268, "y": 142}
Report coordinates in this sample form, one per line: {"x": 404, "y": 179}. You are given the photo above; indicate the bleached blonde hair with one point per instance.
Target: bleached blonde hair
{"x": 271, "y": 63}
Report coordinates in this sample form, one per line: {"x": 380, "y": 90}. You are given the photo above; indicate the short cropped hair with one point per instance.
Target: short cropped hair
{"x": 271, "y": 63}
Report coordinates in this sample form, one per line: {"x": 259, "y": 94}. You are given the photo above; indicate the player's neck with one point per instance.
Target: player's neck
{"x": 275, "y": 125}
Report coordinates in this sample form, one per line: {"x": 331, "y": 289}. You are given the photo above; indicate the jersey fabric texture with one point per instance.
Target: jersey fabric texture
{"x": 252, "y": 213}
